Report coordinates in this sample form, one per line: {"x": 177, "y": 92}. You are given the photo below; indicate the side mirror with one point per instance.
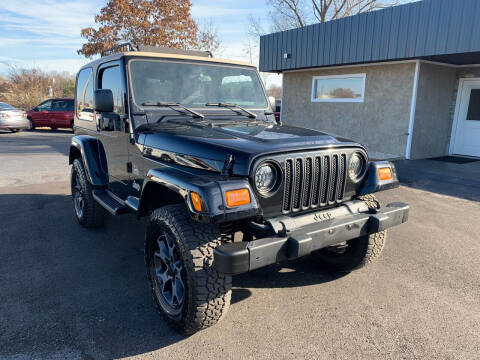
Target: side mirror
{"x": 103, "y": 100}
{"x": 271, "y": 100}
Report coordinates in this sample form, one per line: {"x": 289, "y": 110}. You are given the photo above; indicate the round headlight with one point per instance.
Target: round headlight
{"x": 265, "y": 178}
{"x": 356, "y": 167}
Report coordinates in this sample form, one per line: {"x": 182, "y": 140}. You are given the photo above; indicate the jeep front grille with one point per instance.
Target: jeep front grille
{"x": 314, "y": 181}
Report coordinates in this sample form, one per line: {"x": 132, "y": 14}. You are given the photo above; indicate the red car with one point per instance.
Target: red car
{"x": 53, "y": 113}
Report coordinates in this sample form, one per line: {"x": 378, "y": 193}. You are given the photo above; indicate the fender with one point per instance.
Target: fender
{"x": 210, "y": 187}
{"x": 93, "y": 156}
{"x": 373, "y": 184}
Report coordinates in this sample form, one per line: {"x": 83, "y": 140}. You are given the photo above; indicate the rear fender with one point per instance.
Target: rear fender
{"x": 93, "y": 155}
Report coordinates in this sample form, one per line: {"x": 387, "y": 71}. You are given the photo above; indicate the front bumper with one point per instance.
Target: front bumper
{"x": 294, "y": 237}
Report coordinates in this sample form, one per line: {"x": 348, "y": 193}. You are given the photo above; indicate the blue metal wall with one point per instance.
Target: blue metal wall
{"x": 422, "y": 29}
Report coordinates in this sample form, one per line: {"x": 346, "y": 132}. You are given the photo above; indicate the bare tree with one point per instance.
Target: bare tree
{"x": 325, "y": 10}
{"x": 25, "y": 88}
{"x": 289, "y": 14}
{"x": 207, "y": 37}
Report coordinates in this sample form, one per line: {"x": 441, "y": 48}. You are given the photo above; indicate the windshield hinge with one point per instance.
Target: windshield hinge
{"x": 228, "y": 165}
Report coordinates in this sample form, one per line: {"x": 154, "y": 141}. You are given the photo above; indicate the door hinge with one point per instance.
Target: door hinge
{"x": 129, "y": 167}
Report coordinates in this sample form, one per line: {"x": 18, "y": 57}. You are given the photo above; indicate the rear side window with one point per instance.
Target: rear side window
{"x": 62, "y": 105}
{"x": 84, "y": 95}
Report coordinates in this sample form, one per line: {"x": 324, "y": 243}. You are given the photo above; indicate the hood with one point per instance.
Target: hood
{"x": 211, "y": 143}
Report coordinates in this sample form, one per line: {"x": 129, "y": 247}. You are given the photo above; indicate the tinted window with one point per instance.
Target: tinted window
{"x": 84, "y": 95}
{"x": 62, "y": 105}
{"x": 45, "y": 106}
{"x": 111, "y": 78}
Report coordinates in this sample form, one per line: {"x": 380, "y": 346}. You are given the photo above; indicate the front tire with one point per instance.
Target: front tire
{"x": 356, "y": 253}
{"x": 188, "y": 291}
{"x": 88, "y": 212}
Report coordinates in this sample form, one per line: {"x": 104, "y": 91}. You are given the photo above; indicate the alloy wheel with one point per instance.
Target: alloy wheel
{"x": 169, "y": 274}
{"x": 78, "y": 198}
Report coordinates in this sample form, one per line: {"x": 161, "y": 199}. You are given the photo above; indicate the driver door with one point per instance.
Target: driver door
{"x": 113, "y": 128}
{"x": 41, "y": 117}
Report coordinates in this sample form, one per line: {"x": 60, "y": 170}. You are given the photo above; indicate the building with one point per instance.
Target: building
{"x": 403, "y": 81}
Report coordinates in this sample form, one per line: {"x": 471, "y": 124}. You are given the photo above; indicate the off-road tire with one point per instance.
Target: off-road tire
{"x": 207, "y": 292}
{"x": 359, "y": 252}
{"x": 93, "y": 213}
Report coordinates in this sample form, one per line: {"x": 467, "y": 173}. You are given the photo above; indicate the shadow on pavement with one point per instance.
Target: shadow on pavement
{"x": 36, "y": 142}
{"x": 446, "y": 178}
{"x": 69, "y": 290}
{"x": 296, "y": 273}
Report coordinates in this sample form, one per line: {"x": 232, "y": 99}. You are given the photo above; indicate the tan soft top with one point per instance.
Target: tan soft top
{"x": 185, "y": 57}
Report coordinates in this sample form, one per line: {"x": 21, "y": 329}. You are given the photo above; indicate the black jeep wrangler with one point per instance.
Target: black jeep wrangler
{"x": 192, "y": 143}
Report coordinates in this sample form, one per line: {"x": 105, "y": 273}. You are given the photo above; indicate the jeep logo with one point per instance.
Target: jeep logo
{"x": 323, "y": 216}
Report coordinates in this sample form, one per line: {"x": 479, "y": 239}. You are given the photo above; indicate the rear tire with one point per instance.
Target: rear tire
{"x": 356, "y": 253}
{"x": 187, "y": 289}
{"x": 89, "y": 213}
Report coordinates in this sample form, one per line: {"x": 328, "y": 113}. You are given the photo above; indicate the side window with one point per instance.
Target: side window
{"x": 111, "y": 78}
{"x": 59, "y": 105}
{"x": 46, "y": 106}
{"x": 338, "y": 88}
{"x": 84, "y": 95}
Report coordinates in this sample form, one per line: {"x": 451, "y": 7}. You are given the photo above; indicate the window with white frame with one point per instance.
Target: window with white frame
{"x": 338, "y": 88}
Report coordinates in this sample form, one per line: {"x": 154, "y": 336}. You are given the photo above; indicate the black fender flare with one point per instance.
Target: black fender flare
{"x": 373, "y": 184}
{"x": 93, "y": 156}
{"x": 210, "y": 187}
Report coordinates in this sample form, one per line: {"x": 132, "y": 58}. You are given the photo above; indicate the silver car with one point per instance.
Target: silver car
{"x": 12, "y": 118}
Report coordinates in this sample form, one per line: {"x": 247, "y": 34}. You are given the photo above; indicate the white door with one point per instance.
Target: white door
{"x": 466, "y": 135}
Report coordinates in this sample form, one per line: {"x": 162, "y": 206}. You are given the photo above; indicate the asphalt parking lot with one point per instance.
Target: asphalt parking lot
{"x": 72, "y": 293}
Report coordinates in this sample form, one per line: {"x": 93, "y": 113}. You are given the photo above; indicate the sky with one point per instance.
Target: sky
{"x": 46, "y": 33}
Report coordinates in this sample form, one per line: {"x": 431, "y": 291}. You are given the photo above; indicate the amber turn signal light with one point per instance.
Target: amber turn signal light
{"x": 385, "y": 173}
{"x": 237, "y": 197}
{"x": 196, "y": 201}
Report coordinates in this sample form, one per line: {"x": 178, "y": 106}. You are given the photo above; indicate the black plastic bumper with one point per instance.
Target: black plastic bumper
{"x": 306, "y": 234}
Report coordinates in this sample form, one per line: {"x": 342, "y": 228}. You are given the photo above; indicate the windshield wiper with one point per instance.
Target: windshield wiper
{"x": 173, "y": 106}
{"x": 232, "y": 107}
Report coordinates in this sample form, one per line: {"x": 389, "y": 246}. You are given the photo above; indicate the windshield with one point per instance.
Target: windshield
{"x": 195, "y": 85}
